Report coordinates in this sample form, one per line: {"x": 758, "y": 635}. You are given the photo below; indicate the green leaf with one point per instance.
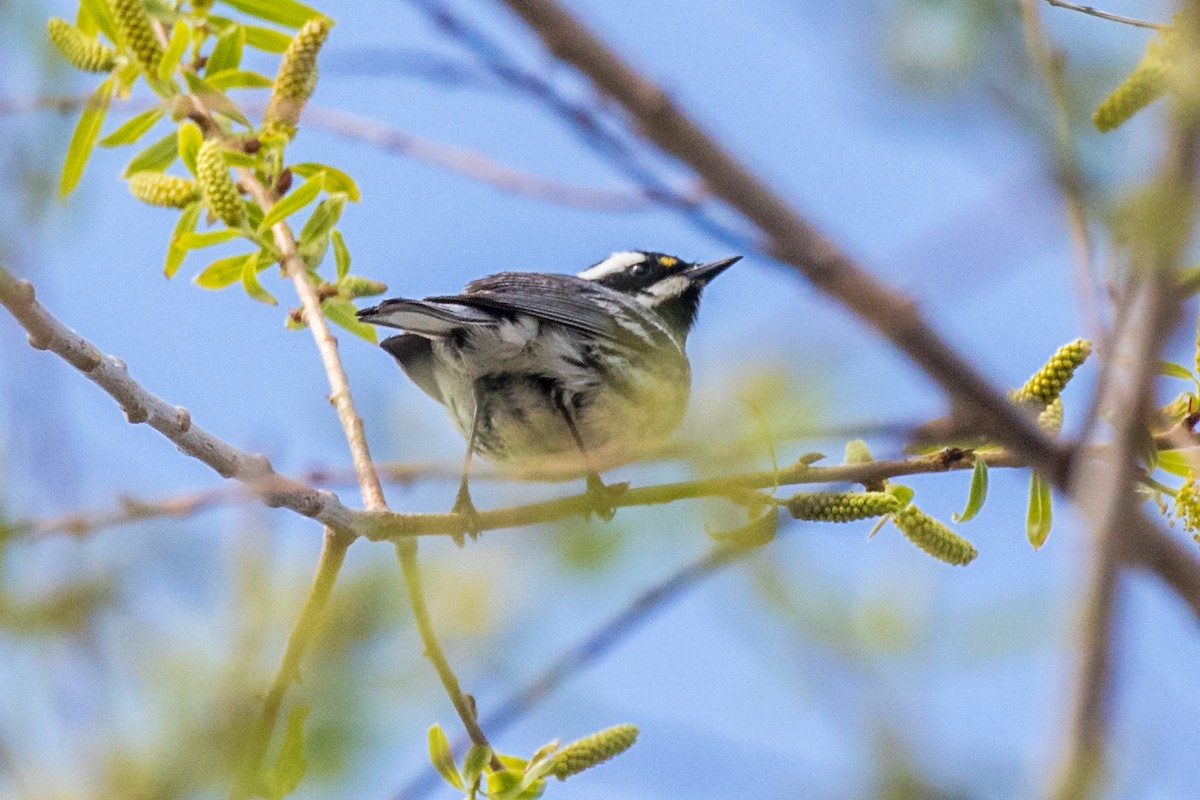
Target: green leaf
{"x": 335, "y": 179}
{"x": 190, "y": 140}
{"x": 342, "y": 313}
{"x": 250, "y": 281}
{"x": 1173, "y": 370}
{"x": 293, "y": 201}
{"x": 283, "y": 12}
{"x": 341, "y": 254}
{"x": 239, "y": 79}
{"x": 441, "y": 757}
{"x": 324, "y": 217}
{"x": 290, "y": 765}
{"x": 236, "y": 158}
{"x": 181, "y": 37}
{"x": 902, "y": 493}
{"x": 84, "y": 137}
{"x": 223, "y": 272}
{"x": 154, "y": 158}
{"x": 133, "y": 128}
{"x": 227, "y": 52}
{"x": 313, "y": 252}
{"x": 1179, "y": 462}
{"x": 978, "y": 493}
{"x": 101, "y": 14}
{"x": 1038, "y": 517}
{"x": 476, "y": 759}
{"x": 197, "y": 241}
{"x": 215, "y": 99}
{"x": 186, "y": 224}
{"x": 266, "y": 39}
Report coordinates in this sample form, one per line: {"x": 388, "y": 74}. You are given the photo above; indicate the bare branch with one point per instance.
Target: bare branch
{"x": 1095, "y": 12}
{"x": 791, "y": 238}
{"x": 479, "y": 167}
{"x": 110, "y": 374}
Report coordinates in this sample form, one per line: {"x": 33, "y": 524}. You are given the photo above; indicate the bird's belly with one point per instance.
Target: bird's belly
{"x": 617, "y": 413}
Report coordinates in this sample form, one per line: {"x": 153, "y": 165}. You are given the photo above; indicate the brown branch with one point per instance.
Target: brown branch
{"x": 1095, "y": 12}
{"x": 254, "y": 470}
{"x": 789, "y": 237}
{"x": 478, "y": 166}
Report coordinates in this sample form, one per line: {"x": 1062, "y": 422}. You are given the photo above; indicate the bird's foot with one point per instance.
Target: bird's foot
{"x": 465, "y": 508}
{"x": 603, "y": 496}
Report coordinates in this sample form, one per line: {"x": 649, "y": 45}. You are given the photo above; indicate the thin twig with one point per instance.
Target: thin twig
{"x": 1095, "y": 12}
{"x": 478, "y": 166}
{"x": 601, "y": 641}
{"x": 791, "y": 238}
{"x": 1049, "y": 61}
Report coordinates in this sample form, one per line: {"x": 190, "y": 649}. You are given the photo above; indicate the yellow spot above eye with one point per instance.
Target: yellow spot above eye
{"x": 668, "y": 261}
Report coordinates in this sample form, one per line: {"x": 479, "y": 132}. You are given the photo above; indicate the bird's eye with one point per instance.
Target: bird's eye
{"x": 639, "y": 269}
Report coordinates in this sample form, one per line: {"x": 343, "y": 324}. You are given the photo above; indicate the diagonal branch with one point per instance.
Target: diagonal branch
{"x": 174, "y": 422}
{"x": 790, "y": 237}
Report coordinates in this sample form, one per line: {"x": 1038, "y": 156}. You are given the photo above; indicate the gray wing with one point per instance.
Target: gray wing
{"x": 563, "y": 299}
{"x": 415, "y": 355}
{"x": 424, "y": 317}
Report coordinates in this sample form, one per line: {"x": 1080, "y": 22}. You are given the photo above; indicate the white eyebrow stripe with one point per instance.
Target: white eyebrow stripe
{"x": 614, "y": 263}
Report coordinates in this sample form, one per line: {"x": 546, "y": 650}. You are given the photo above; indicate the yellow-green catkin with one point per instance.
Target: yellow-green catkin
{"x": 217, "y": 188}
{"x": 841, "y": 506}
{"x": 297, "y": 78}
{"x": 1051, "y": 418}
{"x": 1187, "y": 505}
{"x": 354, "y": 286}
{"x": 1048, "y": 382}
{"x": 592, "y": 750}
{"x": 133, "y": 26}
{"x": 1148, "y": 81}
{"x": 82, "y": 51}
{"x": 934, "y": 537}
{"x": 158, "y": 189}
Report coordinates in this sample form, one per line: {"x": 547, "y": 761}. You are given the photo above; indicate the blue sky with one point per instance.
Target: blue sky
{"x": 900, "y": 129}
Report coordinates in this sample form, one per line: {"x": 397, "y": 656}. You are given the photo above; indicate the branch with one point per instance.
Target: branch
{"x": 595, "y": 646}
{"x": 479, "y": 167}
{"x": 1094, "y": 12}
{"x": 253, "y": 470}
{"x": 790, "y": 238}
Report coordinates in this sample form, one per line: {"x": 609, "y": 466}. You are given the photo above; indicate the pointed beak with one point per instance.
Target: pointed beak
{"x": 706, "y": 272}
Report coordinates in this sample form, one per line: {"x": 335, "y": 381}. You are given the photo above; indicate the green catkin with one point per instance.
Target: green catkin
{"x": 81, "y": 50}
{"x": 1187, "y": 505}
{"x": 592, "y": 750}
{"x": 1048, "y": 382}
{"x": 158, "y": 189}
{"x": 841, "y": 506}
{"x": 1150, "y": 79}
{"x": 1051, "y": 418}
{"x": 133, "y": 25}
{"x": 934, "y": 537}
{"x": 297, "y": 77}
{"x": 219, "y": 192}
{"x": 354, "y": 286}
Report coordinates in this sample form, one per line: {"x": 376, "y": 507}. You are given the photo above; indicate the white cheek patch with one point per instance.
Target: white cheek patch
{"x": 666, "y": 289}
{"x": 613, "y": 264}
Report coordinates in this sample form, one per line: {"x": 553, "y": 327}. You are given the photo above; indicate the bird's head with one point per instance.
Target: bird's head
{"x": 669, "y": 285}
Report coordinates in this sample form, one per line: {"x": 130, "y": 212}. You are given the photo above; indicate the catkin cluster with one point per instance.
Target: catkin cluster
{"x": 1051, "y": 418}
{"x": 133, "y": 26}
{"x": 297, "y": 77}
{"x": 1187, "y": 504}
{"x": 934, "y": 537}
{"x": 841, "y": 506}
{"x": 82, "y": 51}
{"x": 1048, "y": 382}
{"x": 220, "y": 193}
{"x": 158, "y": 189}
{"x": 592, "y": 750}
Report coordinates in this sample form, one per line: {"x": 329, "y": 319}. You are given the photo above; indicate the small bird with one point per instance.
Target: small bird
{"x": 535, "y": 366}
